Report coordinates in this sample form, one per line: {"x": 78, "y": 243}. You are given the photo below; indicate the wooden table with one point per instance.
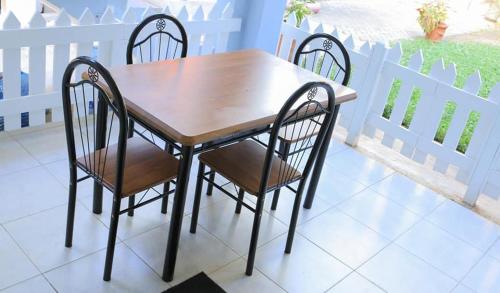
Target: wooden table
{"x": 204, "y": 99}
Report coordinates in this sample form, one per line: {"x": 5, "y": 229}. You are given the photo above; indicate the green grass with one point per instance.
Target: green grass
{"x": 468, "y": 58}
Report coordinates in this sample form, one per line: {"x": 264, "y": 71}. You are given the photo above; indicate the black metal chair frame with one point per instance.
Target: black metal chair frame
{"x": 328, "y": 43}
{"x": 297, "y": 118}
{"x": 161, "y": 21}
{"x": 92, "y": 141}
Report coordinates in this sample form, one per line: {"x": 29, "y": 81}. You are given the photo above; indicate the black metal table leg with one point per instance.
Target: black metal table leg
{"x": 102, "y": 115}
{"x": 177, "y": 212}
{"x": 320, "y": 160}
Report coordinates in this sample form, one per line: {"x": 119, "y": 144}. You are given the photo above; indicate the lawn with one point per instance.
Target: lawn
{"x": 468, "y": 58}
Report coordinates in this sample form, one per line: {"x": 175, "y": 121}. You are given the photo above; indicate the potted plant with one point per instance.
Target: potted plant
{"x": 302, "y": 9}
{"x": 431, "y": 17}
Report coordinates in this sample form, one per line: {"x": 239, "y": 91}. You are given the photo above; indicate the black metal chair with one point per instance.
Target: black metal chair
{"x": 158, "y": 37}
{"x": 96, "y": 124}
{"x": 325, "y": 55}
{"x": 262, "y": 171}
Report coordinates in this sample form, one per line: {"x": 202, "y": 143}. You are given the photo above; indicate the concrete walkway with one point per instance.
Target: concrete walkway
{"x": 388, "y": 20}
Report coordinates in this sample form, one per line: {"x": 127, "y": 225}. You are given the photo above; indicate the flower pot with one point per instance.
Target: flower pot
{"x": 438, "y": 33}
{"x": 314, "y": 7}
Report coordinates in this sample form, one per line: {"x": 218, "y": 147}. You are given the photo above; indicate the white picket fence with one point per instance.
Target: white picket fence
{"x": 52, "y": 45}
{"x": 375, "y": 69}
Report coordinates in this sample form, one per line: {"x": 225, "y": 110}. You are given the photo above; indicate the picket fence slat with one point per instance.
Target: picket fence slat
{"x": 37, "y": 71}
{"x": 51, "y": 47}
{"x": 375, "y": 71}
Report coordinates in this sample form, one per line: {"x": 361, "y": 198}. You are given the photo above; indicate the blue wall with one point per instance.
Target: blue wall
{"x": 261, "y": 24}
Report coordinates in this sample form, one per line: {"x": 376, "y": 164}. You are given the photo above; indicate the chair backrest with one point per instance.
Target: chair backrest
{"x": 88, "y": 94}
{"x": 158, "y": 37}
{"x": 324, "y": 55}
{"x": 306, "y": 114}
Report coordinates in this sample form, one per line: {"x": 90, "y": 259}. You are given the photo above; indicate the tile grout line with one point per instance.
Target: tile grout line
{"x": 144, "y": 262}
{"x": 460, "y": 282}
{"x": 383, "y": 248}
{"x": 22, "y": 251}
{"x": 458, "y": 237}
{"x": 255, "y": 268}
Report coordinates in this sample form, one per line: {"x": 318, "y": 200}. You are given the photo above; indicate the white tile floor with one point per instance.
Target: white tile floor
{"x": 370, "y": 230}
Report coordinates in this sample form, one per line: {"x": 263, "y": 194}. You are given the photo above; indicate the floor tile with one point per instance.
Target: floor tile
{"x": 145, "y": 218}
{"x": 379, "y": 213}
{"x": 129, "y": 274}
{"x": 465, "y": 224}
{"x": 36, "y": 284}
{"x": 397, "y": 270}
{"x": 485, "y": 276}
{"x": 336, "y": 146}
{"x": 14, "y": 265}
{"x": 306, "y": 269}
{"x": 232, "y": 278}
{"x": 197, "y": 252}
{"x": 355, "y": 283}
{"x": 413, "y": 196}
{"x": 345, "y": 238}
{"x": 462, "y": 289}
{"x": 449, "y": 254}
{"x": 355, "y": 165}
{"x": 235, "y": 230}
{"x": 28, "y": 192}
{"x": 284, "y": 209}
{"x": 42, "y": 236}
{"x": 60, "y": 170}
{"x": 495, "y": 250}
{"x": 14, "y": 157}
{"x": 216, "y": 196}
{"x": 335, "y": 187}
{"x": 46, "y": 145}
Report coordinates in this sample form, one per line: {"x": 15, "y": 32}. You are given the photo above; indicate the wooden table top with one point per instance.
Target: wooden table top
{"x": 203, "y": 98}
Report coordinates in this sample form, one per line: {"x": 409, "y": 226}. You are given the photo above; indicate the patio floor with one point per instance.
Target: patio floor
{"x": 370, "y": 230}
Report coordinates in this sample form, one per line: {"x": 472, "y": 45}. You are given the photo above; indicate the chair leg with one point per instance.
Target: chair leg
{"x": 166, "y": 187}
{"x": 71, "y": 214}
{"x": 210, "y": 186}
{"x": 113, "y": 228}
{"x": 295, "y": 214}
{"x": 284, "y": 150}
{"x": 255, "y": 234}
{"x": 241, "y": 196}
{"x": 131, "y": 203}
{"x": 197, "y": 198}
{"x": 131, "y": 199}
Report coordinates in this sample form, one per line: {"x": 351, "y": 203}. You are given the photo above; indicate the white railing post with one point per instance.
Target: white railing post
{"x": 366, "y": 93}
{"x": 11, "y": 73}
{"x": 37, "y": 71}
{"x": 491, "y": 147}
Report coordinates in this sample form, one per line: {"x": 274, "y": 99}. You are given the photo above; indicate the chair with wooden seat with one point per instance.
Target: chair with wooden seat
{"x": 257, "y": 170}
{"x": 158, "y": 37}
{"x": 96, "y": 124}
{"x": 325, "y": 55}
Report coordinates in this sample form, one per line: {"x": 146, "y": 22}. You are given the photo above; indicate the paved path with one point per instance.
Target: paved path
{"x": 377, "y": 20}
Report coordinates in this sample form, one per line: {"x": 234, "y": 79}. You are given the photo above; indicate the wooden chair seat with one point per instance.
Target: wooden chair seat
{"x": 146, "y": 165}
{"x": 242, "y": 164}
{"x": 290, "y": 135}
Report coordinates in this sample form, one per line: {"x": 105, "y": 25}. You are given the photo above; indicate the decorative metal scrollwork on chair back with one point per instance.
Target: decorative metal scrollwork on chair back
{"x": 325, "y": 55}
{"x": 307, "y": 114}
{"x": 158, "y": 37}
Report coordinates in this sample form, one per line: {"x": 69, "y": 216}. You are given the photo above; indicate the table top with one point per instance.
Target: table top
{"x": 204, "y": 98}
